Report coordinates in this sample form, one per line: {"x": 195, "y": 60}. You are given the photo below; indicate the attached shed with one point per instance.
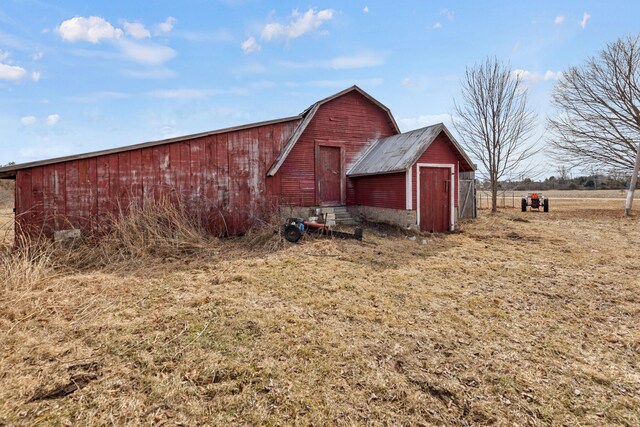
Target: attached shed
{"x": 412, "y": 178}
{"x": 344, "y": 150}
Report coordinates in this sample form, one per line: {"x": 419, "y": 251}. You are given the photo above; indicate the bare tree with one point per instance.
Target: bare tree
{"x": 599, "y": 112}
{"x": 564, "y": 172}
{"x": 494, "y": 122}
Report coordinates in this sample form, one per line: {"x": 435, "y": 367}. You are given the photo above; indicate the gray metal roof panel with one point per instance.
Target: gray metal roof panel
{"x": 395, "y": 153}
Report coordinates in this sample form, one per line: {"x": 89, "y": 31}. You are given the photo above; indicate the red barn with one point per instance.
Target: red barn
{"x": 345, "y": 150}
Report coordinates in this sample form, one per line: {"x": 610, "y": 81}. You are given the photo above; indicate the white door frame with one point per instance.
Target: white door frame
{"x": 451, "y": 167}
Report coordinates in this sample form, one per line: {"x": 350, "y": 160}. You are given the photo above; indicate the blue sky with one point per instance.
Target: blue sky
{"x": 78, "y": 76}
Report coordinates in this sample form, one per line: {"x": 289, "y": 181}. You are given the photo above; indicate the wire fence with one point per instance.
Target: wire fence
{"x": 506, "y": 199}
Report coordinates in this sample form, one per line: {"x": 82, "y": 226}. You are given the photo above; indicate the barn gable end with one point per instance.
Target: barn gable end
{"x": 348, "y": 122}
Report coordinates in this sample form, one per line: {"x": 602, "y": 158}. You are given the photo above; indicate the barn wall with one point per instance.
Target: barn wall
{"x": 216, "y": 176}
{"x": 442, "y": 151}
{"x": 350, "y": 121}
{"x": 382, "y": 191}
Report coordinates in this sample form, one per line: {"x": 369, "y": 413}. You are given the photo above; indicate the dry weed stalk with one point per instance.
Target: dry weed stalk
{"x": 161, "y": 229}
{"x": 28, "y": 264}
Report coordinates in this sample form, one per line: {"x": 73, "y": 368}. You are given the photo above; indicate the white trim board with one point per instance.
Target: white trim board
{"x": 451, "y": 190}
{"x": 409, "y": 188}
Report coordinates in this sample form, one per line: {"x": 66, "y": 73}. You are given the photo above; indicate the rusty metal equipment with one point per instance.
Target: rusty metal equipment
{"x": 535, "y": 201}
{"x": 294, "y": 229}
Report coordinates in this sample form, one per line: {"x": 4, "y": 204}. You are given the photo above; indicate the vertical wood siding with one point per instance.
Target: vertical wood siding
{"x": 221, "y": 179}
{"x": 381, "y": 191}
{"x": 440, "y": 151}
{"x": 350, "y": 121}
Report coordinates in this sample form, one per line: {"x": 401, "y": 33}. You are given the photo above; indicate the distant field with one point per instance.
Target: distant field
{"x": 572, "y": 194}
{"x": 586, "y": 199}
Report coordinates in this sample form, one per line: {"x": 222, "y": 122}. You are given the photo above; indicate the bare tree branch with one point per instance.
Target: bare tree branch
{"x": 494, "y": 122}
{"x": 599, "y": 111}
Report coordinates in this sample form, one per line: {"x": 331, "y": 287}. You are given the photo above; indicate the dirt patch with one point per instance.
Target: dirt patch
{"x": 507, "y": 322}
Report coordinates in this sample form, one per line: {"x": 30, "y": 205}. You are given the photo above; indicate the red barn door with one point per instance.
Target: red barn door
{"x": 329, "y": 175}
{"x": 435, "y": 199}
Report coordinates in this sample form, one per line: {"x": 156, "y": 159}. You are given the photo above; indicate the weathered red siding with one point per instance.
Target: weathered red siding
{"x": 440, "y": 151}
{"x": 215, "y": 176}
{"x": 350, "y": 121}
{"x": 381, "y": 191}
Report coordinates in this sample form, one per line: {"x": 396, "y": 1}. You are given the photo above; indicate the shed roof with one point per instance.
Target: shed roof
{"x": 308, "y": 116}
{"x": 398, "y": 152}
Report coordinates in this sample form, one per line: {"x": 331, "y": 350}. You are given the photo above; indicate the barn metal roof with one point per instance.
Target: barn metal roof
{"x": 9, "y": 172}
{"x": 308, "y": 116}
{"x": 398, "y": 152}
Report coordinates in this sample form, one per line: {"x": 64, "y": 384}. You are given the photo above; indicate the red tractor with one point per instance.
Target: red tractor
{"x": 536, "y": 201}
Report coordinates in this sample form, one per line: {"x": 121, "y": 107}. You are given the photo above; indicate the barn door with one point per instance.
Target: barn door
{"x": 435, "y": 199}
{"x": 329, "y": 175}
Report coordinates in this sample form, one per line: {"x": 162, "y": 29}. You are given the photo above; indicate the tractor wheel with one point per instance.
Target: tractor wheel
{"x": 546, "y": 205}
{"x": 292, "y": 233}
{"x": 524, "y": 204}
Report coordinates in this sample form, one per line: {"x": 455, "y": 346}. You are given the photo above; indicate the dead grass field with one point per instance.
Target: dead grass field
{"x": 519, "y": 319}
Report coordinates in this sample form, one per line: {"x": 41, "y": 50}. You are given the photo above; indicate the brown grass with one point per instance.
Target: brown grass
{"x": 527, "y": 319}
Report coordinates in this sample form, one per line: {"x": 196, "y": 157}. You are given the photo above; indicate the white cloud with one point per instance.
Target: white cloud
{"x": 298, "y": 25}
{"x": 91, "y": 29}
{"x": 4, "y": 55}
{"x": 366, "y": 9}
{"x": 146, "y": 53}
{"x": 437, "y": 26}
{"x": 559, "y": 20}
{"x": 534, "y": 76}
{"x": 35, "y": 76}
{"x": 166, "y": 26}
{"x": 52, "y": 119}
{"x": 11, "y": 72}
{"x": 410, "y": 123}
{"x": 585, "y": 18}
{"x": 550, "y": 75}
{"x": 408, "y": 83}
{"x": 136, "y": 30}
{"x": 37, "y": 56}
{"x": 447, "y": 14}
{"x": 360, "y": 60}
{"x": 525, "y": 75}
{"x": 28, "y": 120}
{"x": 250, "y": 45}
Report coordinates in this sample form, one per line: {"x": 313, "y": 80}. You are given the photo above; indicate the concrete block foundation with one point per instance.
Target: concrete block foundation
{"x": 400, "y": 217}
